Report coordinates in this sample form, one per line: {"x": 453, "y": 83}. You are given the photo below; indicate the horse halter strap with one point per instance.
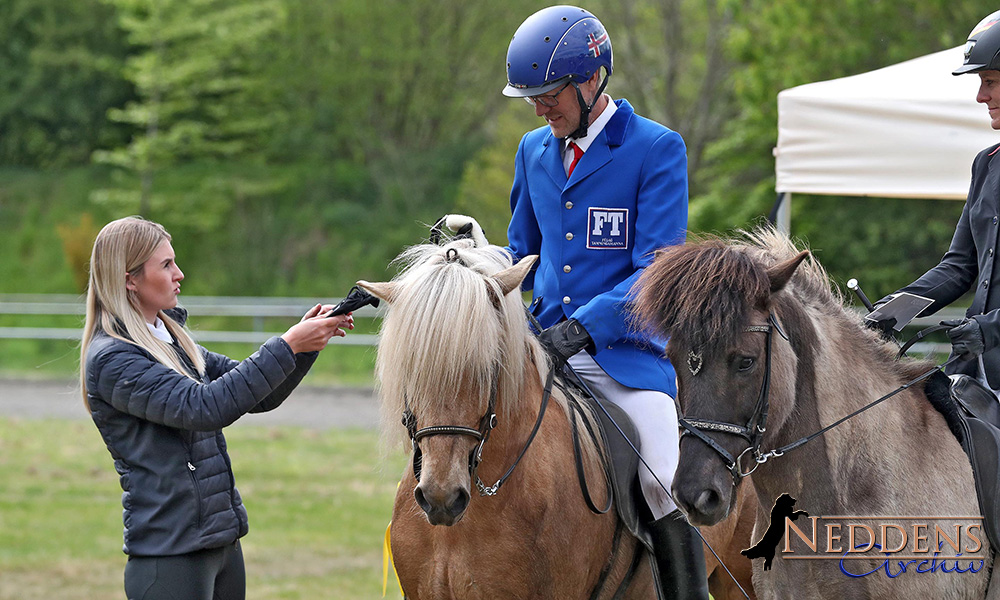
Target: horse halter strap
{"x": 753, "y": 430}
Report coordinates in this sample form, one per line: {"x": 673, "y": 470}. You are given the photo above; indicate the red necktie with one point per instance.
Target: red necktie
{"x": 577, "y": 153}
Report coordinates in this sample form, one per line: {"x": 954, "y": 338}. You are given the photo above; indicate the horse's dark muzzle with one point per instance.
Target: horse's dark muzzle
{"x": 441, "y": 507}
{"x": 700, "y": 488}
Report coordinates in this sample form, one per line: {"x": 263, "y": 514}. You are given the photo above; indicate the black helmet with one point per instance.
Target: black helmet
{"x": 982, "y": 51}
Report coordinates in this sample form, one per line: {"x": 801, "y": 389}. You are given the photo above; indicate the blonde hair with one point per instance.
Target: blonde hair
{"x": 123, "y": 246}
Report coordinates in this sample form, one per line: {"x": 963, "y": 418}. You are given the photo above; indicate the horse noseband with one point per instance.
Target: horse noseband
{"x": 487, "y": 424}
{"x": 753, "y": 430}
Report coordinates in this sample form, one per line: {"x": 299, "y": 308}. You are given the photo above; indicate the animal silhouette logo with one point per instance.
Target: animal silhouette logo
{"x": 775, "y": 530}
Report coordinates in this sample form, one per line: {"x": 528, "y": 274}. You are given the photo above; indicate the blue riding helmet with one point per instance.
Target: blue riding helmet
{"x": 554, "y": 45}
{"x": 982, "y": 51}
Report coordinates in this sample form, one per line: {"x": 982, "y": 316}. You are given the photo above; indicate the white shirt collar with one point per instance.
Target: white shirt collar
{"x": 595, "y": 128}
{"x": 159, "y": 331}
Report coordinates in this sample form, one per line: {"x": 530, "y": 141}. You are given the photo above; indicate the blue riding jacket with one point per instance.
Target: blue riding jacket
{"x": 596, "y": 231}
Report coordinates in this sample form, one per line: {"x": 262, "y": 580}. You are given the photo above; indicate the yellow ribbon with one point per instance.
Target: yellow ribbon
{"x": 387, "y": 562}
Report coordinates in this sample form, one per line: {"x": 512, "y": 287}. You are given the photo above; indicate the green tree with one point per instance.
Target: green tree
{"x": 671, "y": 63}
{"x": 61, "y": 71}
{"x": 777, "y": 44}
{"x": 197, "y": 66}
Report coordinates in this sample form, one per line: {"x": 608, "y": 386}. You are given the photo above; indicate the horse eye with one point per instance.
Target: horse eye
{"x": 745, "y": 363}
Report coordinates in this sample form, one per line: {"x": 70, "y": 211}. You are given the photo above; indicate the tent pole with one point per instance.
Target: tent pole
{"x": 781, "y": 213}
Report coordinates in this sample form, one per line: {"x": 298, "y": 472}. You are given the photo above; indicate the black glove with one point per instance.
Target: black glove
{"x": 966, "y": 338}
{"x": 883, "y": 326}
{"x": 563, "y": 340}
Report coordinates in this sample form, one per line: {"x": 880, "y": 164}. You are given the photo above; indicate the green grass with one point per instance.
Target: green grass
{"x": 318, "y": 501}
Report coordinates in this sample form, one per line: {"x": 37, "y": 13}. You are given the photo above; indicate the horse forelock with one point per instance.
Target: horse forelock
{"x": 699, "y": 290}
{"x": 450, "y": 329}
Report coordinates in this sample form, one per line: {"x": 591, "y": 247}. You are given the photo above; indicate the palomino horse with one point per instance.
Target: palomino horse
{"x": 729, "y": 308}
{"x": 455, "y": 349}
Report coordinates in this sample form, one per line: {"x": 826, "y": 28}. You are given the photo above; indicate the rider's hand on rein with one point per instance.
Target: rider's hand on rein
{"x": 564, "y": 339}
{"x": 966, "y": 338}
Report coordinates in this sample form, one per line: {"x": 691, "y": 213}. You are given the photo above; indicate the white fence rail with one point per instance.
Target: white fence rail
{"x": 257, "y": 308}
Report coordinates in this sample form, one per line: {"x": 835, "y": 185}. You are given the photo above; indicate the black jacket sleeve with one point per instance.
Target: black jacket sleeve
{"x": 217, "y": 365}
{"x": 129, "y": 379}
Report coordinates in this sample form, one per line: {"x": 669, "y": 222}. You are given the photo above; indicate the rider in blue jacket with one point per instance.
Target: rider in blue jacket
{"x": 595, "y": 193}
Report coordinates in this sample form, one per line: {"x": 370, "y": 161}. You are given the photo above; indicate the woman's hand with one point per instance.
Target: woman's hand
{"x": 314, "y": 331}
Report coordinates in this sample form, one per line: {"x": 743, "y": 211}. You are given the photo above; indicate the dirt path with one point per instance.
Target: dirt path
{"x": 316, "y": 407}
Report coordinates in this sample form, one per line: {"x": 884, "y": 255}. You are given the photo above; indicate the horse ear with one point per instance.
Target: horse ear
{"x": 383, "y": 291}
{"x": 511, "y": 277}
{"x": 780, "y": 273}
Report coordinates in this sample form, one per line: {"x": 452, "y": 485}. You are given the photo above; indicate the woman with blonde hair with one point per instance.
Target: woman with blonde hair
{"x": 160, "y": 402}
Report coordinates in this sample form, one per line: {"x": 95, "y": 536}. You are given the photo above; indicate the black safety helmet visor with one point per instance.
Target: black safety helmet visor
{"x": 982, "y": 50}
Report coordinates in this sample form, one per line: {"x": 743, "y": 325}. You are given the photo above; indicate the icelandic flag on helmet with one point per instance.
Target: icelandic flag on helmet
{"x": 598, "y": 43}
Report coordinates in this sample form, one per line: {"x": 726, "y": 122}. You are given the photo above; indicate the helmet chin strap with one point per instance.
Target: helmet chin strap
{"x": 581, "y": 130}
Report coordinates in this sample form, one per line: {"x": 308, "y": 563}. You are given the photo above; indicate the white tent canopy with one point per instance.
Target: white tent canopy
{"x": 909, "y": 130}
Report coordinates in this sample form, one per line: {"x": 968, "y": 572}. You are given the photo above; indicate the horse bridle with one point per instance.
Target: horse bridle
{"x": 754, "y": 429}
{"x": 487, "y": 424}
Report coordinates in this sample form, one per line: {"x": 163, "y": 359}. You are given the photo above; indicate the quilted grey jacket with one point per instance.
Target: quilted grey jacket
{"x": 164, "y": 432}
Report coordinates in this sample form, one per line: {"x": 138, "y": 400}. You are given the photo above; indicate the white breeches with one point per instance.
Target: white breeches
{"x": 655, "y": 418}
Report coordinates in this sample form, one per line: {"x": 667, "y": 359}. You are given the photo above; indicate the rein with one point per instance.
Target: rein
{"x": 754, "y": 430}
{"x": 493, "y": 489}
{"x": 802, "y": 441}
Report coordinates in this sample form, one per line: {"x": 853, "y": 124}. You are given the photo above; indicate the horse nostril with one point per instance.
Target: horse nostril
{"x": 707, "y": 502}
{"x": 422, "y": 502}
{"x": 459, "y": 503}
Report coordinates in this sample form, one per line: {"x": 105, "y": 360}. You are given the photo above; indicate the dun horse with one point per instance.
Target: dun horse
{"x": 743, "y": 390}
{"x": 455, "y": 349}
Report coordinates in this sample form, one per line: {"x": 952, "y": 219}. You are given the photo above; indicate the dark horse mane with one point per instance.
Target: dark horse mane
{"x": 706, "y": 288}
{"x": 702, "y": 293}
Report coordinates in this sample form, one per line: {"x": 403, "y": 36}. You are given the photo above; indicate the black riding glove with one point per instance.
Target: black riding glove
{"x": 564, "y": 339}
{"x": 883, "y": 326}
{"x": 966, "y": 338}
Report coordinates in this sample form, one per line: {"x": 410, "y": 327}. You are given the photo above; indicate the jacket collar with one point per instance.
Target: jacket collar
{"x": 599, "y": 153}
{"x": 178, "y": 314}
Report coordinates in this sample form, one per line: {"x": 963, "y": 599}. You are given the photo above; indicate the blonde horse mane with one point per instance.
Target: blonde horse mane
{"x": 449, "y": 328}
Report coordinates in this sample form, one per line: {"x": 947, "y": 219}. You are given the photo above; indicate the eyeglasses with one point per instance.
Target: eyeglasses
{"x": 547, "y": 100}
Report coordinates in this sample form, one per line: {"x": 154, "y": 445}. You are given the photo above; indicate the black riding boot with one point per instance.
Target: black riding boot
{"x": 679, "y": 558}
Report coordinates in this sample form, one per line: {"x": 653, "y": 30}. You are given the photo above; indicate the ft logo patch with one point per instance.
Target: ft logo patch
{"x": 607, "y": 228}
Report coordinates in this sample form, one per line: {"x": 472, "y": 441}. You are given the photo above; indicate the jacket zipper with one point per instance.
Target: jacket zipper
{"x": 197, "y": 489}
